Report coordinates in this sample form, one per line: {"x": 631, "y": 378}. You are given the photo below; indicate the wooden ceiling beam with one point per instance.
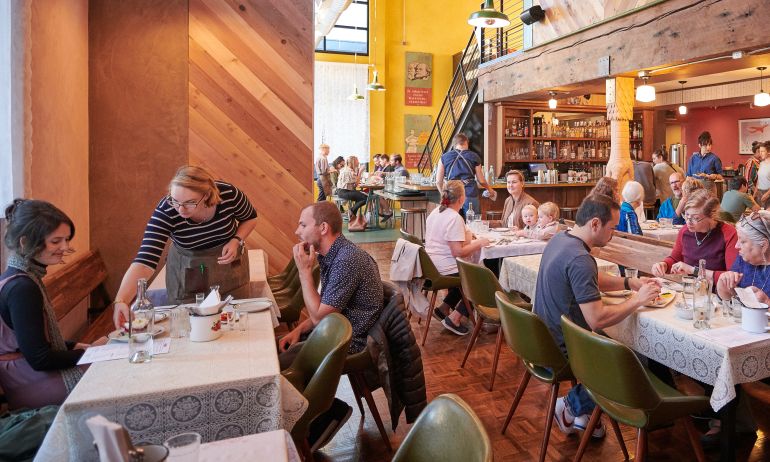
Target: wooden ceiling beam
{"x": 672, "y": 32}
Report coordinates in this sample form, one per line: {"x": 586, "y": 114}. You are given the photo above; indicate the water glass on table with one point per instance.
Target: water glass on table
{"x": 199, "y": 297}
{"x": 632, "y": 273}
{"x": 184, "y": 447}
{"x": 180, "y": 322}
{"x": 241, "y": 319}
{"x": 666, "y": 223}
{"x": 688, "y": 291}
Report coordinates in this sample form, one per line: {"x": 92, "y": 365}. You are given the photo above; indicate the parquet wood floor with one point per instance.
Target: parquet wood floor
{"x": 359, "y": 440}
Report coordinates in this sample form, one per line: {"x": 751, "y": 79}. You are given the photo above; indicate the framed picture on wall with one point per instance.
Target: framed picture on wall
{"x": 751, "y": 130}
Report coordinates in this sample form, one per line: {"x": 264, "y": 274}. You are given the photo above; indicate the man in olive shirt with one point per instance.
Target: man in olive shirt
{"x": 736, "y": 200}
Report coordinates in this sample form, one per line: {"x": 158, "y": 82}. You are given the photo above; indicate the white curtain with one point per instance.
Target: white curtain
{"x": 337, "y": 121}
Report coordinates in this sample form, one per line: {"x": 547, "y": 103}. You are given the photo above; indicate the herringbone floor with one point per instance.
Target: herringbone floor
{"x": 359, "y": 440}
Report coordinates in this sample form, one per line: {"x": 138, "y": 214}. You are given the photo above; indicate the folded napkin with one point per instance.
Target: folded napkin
{"x": 110, "y": 438}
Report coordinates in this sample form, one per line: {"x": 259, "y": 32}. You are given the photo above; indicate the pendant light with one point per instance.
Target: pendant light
{"x": 761, "y": 99}
{"x": 488, "y": 17}
{"x": 552, "y": 102}
{"x": 355, "y": 96}
{"x": 375, "y": 85}
{"x": 645, "y": 93}
{"x": 682, "y": 107}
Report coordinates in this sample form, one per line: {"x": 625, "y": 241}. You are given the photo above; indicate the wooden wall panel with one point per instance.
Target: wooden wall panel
{"x": 251, "y": 108}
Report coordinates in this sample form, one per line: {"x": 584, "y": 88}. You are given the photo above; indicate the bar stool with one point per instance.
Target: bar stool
{"x": 408, "y": 223}
{"x": 341, "y": 203}
{"x": 568, "y": 212}
{"x": 494, "y": 215}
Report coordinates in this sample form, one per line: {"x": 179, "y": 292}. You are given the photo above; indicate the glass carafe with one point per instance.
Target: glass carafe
{"x": 141, "y": 326}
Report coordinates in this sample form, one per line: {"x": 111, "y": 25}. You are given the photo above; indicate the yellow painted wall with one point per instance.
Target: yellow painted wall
{"x": 434, "y": 27}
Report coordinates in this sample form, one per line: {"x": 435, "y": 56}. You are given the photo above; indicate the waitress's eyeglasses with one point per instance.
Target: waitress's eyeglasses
{"x": 189, "y": 205}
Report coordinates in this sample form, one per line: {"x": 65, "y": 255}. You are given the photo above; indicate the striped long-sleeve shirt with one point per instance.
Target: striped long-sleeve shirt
{"x": 166, "y": 222}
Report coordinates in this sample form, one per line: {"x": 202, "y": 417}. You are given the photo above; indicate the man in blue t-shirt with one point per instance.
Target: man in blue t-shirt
{"x": 462, "y": 164}
{"x": 669, "y": 206}
{"x": 568, "y": 283}
{"x": 704, "y": 164}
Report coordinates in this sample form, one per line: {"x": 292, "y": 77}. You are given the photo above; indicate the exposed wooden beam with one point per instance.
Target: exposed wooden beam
{"x": 677, "y": 31}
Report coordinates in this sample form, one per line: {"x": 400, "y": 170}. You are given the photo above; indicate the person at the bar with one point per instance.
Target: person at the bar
{"x": 37, "y": 366}
{"x": 460, "y": 163}
{"x": 704, "y": 237}
{"x": 323, "y": 170}
{"x": 669, "y": 207}
{"x": 704, "y": 164}
{"x": 207, "y": 221}
{"x": 568, "y": 282}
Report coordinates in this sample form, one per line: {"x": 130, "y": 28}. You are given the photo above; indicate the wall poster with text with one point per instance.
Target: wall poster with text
{"x": 418, "y": 90}
{"x": 416, "y": 132}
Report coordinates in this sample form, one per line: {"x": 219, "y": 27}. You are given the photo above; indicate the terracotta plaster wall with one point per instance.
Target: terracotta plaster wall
{"x": 139, "y": 117}
{"x": 56, "y": 114}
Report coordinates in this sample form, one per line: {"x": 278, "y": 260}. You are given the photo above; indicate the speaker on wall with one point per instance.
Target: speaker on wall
{"x": 532, "y": 15}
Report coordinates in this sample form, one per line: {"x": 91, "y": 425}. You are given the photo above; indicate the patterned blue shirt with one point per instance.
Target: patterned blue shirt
{"x": 350, "y": 282}
{"x": 707, "y": 164}
{"x": 756, "y": 276}
{"x": 629, "y": 222}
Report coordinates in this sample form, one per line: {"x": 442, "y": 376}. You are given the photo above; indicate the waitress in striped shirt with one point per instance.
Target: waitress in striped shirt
{"x": 207, "y": 222}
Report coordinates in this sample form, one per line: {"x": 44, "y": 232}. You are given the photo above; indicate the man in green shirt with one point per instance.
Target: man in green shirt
{"x": 736, "y": 200}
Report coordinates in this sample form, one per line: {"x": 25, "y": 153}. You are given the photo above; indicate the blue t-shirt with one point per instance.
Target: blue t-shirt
{"x": 461, "y": 165}
{"x": 756, "y": 276}
{"x": 629, "y": 222}
{"x": 707, "y": 164}
{"x": 568, "y": 276}
{"x": 667, "y": 210}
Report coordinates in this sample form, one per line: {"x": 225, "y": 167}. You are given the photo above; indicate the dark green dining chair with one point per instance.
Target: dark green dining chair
{"x": 411, "y": 238}
{"x": 291, "y": 304}
{"x": 479, "y": 286}
{"x": 625, "y": 390}
{"x": 448, "y": 431}
{"x": 529, "y": 338}
{"x": 316, "y": 371}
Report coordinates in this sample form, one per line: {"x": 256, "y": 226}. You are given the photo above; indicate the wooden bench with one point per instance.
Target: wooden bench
{"x": 79, "y": 279}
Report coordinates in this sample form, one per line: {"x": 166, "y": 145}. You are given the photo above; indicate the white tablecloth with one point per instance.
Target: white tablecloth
{"x": 275, "y": 446}
{"x": 520, "y": 273}
{"x": 660, "y": 335}
{"x": 661, "y": 234}
{"x": 222, "y": 389}
{"x": 513, "y": 249}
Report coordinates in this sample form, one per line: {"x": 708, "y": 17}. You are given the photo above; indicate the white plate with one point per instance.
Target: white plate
{"x": 501, "y": 230}
{"x": 122, "y": 336}
{"x": 255, "y": 307}
{"x": 663, "y": 300}
{"x": 243, "y": 301}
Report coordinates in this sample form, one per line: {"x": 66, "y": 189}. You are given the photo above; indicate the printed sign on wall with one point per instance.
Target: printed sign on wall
{"x": 416, "y": 131}
{"x": 419, "y": 79}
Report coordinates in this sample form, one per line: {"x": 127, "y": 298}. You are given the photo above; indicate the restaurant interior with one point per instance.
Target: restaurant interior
{"x": 177, "y": 133}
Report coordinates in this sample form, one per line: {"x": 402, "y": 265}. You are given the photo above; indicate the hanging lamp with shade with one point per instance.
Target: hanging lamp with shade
{"x": 355, "y": 96}
{"x": 682, "y": 107}
{"x": 645, "y": 93}
{"x": 488, "y": 17}
{"x": 552, "y": 102}
{"x": 762, "y": 98}
{"x": 375, "y": 84}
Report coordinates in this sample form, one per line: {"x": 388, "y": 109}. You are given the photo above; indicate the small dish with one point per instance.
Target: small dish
{"x": 501, "y": 230}
{"x": 618, "y": 293}
{"x": 681, "y": 311}
{"x": 662, "y": 300}
{"x": 121, "y": 335}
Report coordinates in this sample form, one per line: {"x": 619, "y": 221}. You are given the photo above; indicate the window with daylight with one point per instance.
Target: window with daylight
{"x": 350, "y": 33}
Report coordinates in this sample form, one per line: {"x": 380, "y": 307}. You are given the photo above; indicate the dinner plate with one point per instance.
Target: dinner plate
{"x": 662, "y": 300}
{"x": 254, "y": 307}
{"x": 618, "y": 293}
{"x": 122, "y": 336}
{"x": 243, "y": 301}
{"x": 501, "y": 230}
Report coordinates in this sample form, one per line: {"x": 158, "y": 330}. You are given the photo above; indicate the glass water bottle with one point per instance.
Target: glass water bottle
{"x": 141, "y": 326}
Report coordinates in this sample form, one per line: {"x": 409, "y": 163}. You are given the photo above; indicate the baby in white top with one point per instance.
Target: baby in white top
{"x": 541, "y": 223}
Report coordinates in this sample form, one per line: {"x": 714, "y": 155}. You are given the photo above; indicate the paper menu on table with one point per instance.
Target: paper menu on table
{"x": 748, "y": 297}
{"x": 113, "y": 351}
{"x": 732, "y": 336}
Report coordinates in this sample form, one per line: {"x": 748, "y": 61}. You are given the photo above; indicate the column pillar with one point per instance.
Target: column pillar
{"x": 620, "y": 109}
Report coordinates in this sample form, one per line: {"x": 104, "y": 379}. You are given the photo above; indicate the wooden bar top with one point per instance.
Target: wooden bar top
{"x": 527, "y": 185}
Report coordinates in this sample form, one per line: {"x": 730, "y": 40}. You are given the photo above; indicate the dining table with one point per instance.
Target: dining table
{"x": 273, "y": 446}
{"x": 225, "y": 388}
{"x": 652, "y": 229}
{"x": 507, "y": 244}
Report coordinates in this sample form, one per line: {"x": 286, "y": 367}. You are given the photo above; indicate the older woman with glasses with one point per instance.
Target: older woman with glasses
{"x": 703, "y": 238}
{"x": 517, "y": 200}
{"x": 208, "y": 221}
{"x": 750, "y": 269}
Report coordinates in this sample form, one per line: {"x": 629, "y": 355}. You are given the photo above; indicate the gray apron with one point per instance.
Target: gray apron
{"x": 193, "y": 271}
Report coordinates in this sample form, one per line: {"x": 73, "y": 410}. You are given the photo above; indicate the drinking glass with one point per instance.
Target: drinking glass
{"x": 736, "y": 309}
{"x": 199, "y": 297}
{"x": 183, "y": 448}
{"x": 703, "y": 309}
{"x": 632, "y": 273}
{"x": 241, "y": 320}
{"x": 666, "y": 223}
{"x": 688, "y": 290}
{"x": 180, "y": 322}
{"x": 484, "y": 226}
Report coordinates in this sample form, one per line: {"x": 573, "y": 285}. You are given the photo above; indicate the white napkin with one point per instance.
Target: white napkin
{"x": 748, "y": 298}
{"x": 111, "y": 439}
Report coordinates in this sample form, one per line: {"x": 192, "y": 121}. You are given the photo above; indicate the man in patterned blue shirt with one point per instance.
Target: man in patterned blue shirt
{"x": 350, "y": 279}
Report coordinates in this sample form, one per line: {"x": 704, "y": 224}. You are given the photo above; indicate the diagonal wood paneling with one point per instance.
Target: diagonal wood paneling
{"x": 251, "y": 108}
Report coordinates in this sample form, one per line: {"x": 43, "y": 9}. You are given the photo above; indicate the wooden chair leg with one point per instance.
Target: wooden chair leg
{"x": 516, "y": 399}
{"x": 641, "y": 446}
{"x": 472, "y": 342}
{"x": 619, "y": 436}
{"x": 587, "y": 433}
{"x": 430, "y": 315}
{"x": 549, "y": 419}
{"x": 373, "y": 409}
{"x": 498, "y": 344}
{"x": 469, "y": 308}
{"x": 356, "y": 393}
{"x": 694, "y": 437}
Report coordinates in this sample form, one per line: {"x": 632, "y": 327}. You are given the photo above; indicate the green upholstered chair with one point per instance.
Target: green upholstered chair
{"x": 291, "y": 304}
{"x": 316, "y": 371}
{"x": 479, "y": 286}
{"x": 625, "y": 390}
{"x": 278, "y": 281}
{"x": 447, "y": 430}
{"x": 411, "y": 238}
{"x": 530, "y": 339}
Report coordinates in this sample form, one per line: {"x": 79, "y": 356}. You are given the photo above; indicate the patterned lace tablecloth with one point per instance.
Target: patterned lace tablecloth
{"x": 718, "y": 357}
{"x": 275, "y": 446}
{"x": 513, "y": 249}
{"x": 661, "y": 234}
{"x": 222, "y": 389}
{"x": 520, "y": 273}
